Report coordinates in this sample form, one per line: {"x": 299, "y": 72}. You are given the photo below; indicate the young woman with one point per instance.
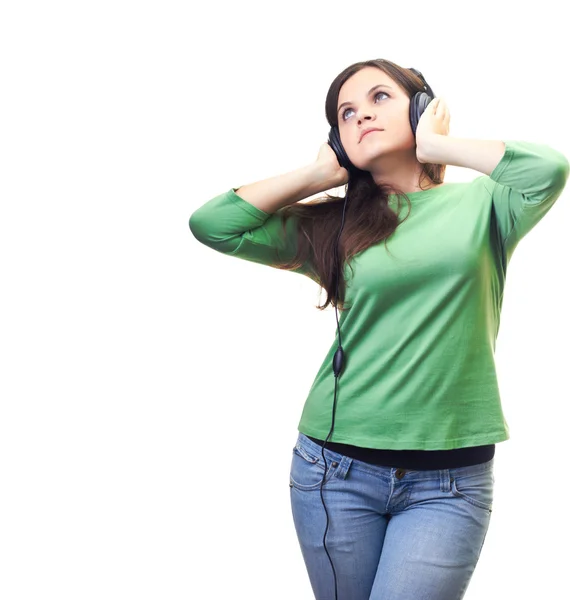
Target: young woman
{"x": 405, "y": 457}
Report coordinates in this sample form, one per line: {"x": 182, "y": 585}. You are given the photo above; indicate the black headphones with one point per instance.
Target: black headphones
{"x": 418, "y": 104}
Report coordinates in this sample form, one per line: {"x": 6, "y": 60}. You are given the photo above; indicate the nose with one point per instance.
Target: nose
{"x": 365, "y": 114}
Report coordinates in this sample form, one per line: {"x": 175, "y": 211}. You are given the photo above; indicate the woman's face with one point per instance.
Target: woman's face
{"x": 386, "y": 108}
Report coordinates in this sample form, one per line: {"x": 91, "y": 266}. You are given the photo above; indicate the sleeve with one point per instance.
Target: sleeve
{"x": 231, "y": 225}
{"x": 523, "y": 187}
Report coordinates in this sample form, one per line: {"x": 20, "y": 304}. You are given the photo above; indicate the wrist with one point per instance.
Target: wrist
{"x": 426, "y": 149}
{"x": 322, "y": 178}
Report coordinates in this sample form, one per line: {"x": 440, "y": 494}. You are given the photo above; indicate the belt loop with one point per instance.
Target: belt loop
{"x": 343, "y": 468}
{"x": 445, "y": 480}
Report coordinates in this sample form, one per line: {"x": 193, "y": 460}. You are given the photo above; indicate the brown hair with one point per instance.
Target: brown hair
{"x": 368, "y": 218}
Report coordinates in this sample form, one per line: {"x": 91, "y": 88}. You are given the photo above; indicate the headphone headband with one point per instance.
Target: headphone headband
{"x": 426, "y": 84}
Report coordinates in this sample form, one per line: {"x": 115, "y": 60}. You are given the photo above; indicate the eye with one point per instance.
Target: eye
{"x": 375, "y": 96}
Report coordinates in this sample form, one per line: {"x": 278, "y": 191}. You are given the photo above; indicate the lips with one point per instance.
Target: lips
{"x": 369, "y": 131}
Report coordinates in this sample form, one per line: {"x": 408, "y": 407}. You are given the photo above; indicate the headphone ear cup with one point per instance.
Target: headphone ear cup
{"x": 418, "y": 104}
{"x": 336, "y": 145}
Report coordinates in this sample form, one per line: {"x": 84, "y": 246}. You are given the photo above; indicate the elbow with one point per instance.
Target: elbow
{"x": 560, "y": 175}
{"x": 564, "y": 170}
{"x": 560, "y": 169}
{"x": 197, "y": 227}
{"x": 204, "y": 230}
{"x": 558, "y": 179}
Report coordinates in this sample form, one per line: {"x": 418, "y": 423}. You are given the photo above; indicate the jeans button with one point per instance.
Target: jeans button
{"x": 400, "y": 473}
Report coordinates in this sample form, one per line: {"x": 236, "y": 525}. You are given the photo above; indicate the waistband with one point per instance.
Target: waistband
{"x": 417, "y": 460}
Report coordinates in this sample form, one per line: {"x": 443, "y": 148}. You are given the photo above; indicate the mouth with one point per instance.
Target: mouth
{"x": 369, "y": 131}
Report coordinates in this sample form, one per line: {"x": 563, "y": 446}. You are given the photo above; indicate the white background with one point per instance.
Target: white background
{"x": 151, "y": 387}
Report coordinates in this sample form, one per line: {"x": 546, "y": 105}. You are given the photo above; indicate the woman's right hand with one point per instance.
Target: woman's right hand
{"x": 330, "y": 166}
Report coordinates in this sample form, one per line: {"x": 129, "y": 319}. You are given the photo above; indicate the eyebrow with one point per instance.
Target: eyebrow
{"x": 381, "y": 85}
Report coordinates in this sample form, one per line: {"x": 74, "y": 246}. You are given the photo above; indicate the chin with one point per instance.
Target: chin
{"x": 371, "y": 161}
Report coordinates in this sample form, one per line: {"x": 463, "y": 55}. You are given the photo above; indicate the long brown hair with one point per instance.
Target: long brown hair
{"x": 368, "y": 218}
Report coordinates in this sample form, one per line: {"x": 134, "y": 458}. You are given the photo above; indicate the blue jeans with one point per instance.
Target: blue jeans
{"x": 393, "y": 534}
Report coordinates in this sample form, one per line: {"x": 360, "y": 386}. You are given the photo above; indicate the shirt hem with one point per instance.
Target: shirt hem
{"x": 379, "y": 444}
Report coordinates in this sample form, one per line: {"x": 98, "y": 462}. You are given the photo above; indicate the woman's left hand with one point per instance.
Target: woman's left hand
{"x": 433, "y": 121}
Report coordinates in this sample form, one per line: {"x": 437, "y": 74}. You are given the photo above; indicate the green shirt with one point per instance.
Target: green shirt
{"x": 419, "y": 338}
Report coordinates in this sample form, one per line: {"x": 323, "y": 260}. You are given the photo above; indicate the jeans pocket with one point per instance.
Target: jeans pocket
{"x": 307, "y": 470}
{"x": 476, "y": 488}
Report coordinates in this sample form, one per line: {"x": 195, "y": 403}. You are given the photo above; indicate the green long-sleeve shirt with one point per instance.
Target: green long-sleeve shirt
{"x": 419, "y": 338}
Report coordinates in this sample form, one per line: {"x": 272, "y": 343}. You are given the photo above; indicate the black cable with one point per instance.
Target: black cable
{"x": 338, "y": 362}
{"x": 418, "y": 103}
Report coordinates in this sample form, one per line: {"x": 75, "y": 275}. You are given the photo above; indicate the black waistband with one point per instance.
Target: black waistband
{"x": 420, "y": 460}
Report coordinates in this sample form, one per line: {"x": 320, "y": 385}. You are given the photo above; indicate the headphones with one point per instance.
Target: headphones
{"x": 418, "y": 104}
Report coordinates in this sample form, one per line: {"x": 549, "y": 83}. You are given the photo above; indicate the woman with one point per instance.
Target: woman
{"x": 408, "y": 471}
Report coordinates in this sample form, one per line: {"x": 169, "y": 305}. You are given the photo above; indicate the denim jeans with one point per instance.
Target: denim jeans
{"x": 393, "y": 534}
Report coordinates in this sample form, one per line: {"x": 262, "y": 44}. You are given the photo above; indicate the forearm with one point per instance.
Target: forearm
{"x": 276, "y": 192}
{"x": 480, "y": 155}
